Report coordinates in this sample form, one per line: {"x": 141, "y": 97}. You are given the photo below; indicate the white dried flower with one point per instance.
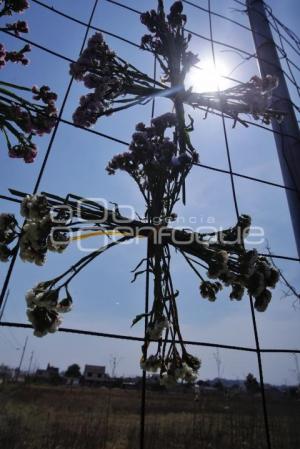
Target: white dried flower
{"x": 43, "y": 320}
{"x": 55, "y": 325}
{"x": 34, "y": 207}
{"x": 30, "y": 297}
{"x": 262, "y": 301}
{"x": 155, "y": 330}
{"x": 256, "y": 284}
{"x": 185, "y": 373}
{"x": 151, "y": 364}
{"x": 65, "y": 305}
{"x": 58, "y": 244}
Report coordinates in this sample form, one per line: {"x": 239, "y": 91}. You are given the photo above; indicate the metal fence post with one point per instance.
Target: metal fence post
{"x": 287, "y": 134}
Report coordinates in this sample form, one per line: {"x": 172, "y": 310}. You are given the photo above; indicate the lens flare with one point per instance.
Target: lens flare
{"x": 207, "y": 77}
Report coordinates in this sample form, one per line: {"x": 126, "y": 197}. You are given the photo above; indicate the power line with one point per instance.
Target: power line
{"x": 142, "y": 339}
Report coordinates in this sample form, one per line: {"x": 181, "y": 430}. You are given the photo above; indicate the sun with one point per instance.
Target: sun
{"x": 207, "y": 77}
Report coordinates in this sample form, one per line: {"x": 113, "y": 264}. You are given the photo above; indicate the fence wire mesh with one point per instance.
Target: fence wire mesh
{"x": 285, "y": 42}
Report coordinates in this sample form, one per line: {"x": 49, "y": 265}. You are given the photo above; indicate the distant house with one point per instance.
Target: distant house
{"x": 51, "y": 372}
{"x": 94, "y": 374}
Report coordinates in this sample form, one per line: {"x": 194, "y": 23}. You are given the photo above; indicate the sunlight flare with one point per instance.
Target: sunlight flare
{"x": 207, "y": 77}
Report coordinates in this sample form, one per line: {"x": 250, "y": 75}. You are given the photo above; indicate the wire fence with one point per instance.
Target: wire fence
{"x": 284, "y": 38}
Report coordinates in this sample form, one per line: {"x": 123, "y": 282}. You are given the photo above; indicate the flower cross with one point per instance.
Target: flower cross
{"x": 159, "y": 159}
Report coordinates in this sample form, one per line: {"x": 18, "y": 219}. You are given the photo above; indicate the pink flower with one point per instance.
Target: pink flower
{"x": 30, "y": 154}
{"x": 91, "y": 81}
{"x": 26, "y": 151}
{"x": 2, "y": 56}
{"x": 19, "y": 27}
{"x": 45, "y": 94}
{"x": 19, "y": 5}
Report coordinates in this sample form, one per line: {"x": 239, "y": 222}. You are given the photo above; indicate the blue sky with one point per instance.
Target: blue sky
{"x": 104, "y": 298}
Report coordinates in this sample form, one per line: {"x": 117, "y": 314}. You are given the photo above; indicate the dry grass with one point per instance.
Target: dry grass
{"x": 35, "y": 417}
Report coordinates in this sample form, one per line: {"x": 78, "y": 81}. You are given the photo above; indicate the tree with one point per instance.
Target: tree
{"x": 251, "y": 384}
{"x": 73, "y": 371}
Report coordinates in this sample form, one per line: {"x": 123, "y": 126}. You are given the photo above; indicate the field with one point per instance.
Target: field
{"x": 46, "y": 417}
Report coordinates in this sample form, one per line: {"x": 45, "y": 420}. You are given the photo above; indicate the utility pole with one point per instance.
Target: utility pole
{"x": 287, "y": 135}
{"x": 30, "y": 362}
{"x": 218, "y": 360}
{"x": 21, "y": 359}
{"x": 114, "y": 361}
{"x": 297, "y": 368}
